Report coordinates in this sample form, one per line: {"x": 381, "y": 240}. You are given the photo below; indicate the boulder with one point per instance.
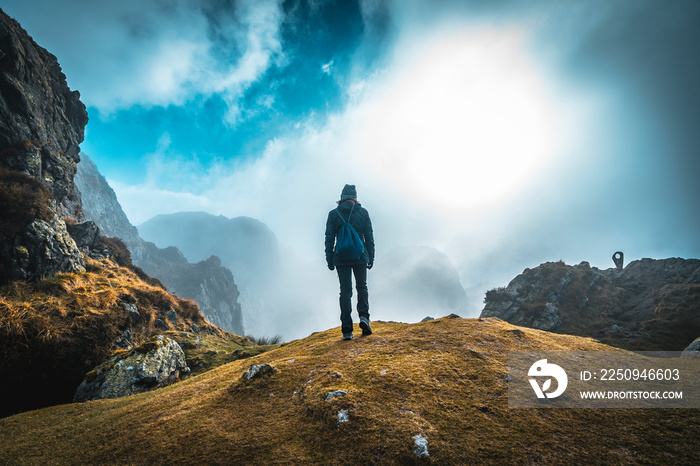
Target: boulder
{"x": 86, "y": 235}
{"x": 42, "y": 249}
{"x": 693, "y": 350}
{"x": 157, "y": 363}
{"x": 258, "y": 371}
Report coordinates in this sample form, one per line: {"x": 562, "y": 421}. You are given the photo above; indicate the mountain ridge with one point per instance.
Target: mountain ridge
{"x": 207, "y": 282}
{"x": 650, "y": 304}
{"x": 441, "y": 382}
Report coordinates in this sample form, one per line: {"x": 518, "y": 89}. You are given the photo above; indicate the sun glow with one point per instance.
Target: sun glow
{"x": 467, "y": 121}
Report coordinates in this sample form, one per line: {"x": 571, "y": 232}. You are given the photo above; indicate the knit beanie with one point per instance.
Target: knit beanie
{"x": 349, "y": 192}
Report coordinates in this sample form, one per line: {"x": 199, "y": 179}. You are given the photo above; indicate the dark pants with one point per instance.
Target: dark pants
{"x": 345, "y": 273}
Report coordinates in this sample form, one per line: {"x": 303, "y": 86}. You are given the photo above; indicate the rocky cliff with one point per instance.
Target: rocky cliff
{"x": 648, "y": 305}
{"x": 42, "y": 123}
{"x": 245, "y": 245}
{"x": 208, "y": 283}
{"x": 100, "y": 203}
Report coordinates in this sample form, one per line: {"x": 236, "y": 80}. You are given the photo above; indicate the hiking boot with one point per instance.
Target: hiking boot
{"x": 364, "y": 325}
{"x": 347, "y": 336}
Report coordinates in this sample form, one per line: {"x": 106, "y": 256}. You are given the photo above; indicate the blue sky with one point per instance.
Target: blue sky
{"x": 504, "y": 133}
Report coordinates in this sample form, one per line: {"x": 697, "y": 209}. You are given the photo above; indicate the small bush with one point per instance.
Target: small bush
{"x": 22, "y": 198}
{"x": 19, "y": 146}
{"x": 263, "y": 341}
{"x": 497, "y": 295}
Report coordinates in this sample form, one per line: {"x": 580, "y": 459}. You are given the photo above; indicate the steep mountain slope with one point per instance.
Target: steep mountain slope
{"x": 41, "y": 124}
{"x": 208, "y": 283}
{"x": 443, "y": 380}
{"x": 648, "y": 305}
{"x": 100, "y": 204}
{"x": 54, "y": 331}
{"x": 245, "y": 245}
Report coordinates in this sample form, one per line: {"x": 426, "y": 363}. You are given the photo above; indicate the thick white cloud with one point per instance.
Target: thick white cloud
{"x": 148, "y": 53}
{"x": 452, "y": 130}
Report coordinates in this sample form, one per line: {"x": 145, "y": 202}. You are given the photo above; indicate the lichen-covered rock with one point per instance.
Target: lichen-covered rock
{"x": 41, "y": 249}
{"x": 154, "y": 364}
{"x": 421, "y": 446}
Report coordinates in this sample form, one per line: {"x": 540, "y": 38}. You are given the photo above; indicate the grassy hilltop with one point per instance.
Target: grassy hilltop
{"x": 442, "y": 379}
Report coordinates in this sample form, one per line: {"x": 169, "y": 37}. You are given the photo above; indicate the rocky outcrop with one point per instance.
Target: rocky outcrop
{"x": 41, "y": 249}
{"x": 208, "y": 283}
{"x": 100, "y": 204}
{"x": 648, "y": 305}
{"x": 42, "y": 123}
{"x": 154, "y": 364}
{"x": 693, "y": 350}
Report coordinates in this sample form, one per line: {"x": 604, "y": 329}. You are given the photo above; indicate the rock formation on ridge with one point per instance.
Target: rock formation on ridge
{"x": 648, "y": 305}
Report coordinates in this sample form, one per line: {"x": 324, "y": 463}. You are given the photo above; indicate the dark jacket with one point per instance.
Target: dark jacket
{"x": 363, "y": 225}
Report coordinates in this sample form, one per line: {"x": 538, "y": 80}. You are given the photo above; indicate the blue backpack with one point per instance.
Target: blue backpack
{"x": 348, "y": 245}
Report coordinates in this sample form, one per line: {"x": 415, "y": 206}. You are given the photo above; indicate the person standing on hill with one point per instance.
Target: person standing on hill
{"x": 350, "y": 251}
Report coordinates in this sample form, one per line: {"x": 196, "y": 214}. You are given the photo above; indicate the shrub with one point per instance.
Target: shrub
{"x": 497, "y": 295}
{"x": 263, "y": 341}
{"x": 19, "y": 146}
{"x": 22, "y": 198}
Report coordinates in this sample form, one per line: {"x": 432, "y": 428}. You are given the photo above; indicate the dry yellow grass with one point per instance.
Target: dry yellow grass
{"x": 442, "y": 379}
{"x": 54, "y": 331}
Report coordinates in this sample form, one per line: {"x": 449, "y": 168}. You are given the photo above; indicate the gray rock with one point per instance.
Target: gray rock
{"x": 343, "y": 416}
{"x": 421, "y": 444}
{"x": 86, "y": 234}
{"x": 157, "y": 363}
{"x": 693, "y": 350}
{"x": 427, "y": 318}
{"x": 257, "y": 371}
{"x": 124, "y": 341}
{"x": 549, "y": 318}
{"x": 41, "y": 249}
{"x": 133, "y": 312}
{"x": 160, "y": 325}
{"x": 42, "y": 122}
{"x": 335, "y": 394}
{"x": 617, "y": 304}
{"x": 171, "y": 315}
